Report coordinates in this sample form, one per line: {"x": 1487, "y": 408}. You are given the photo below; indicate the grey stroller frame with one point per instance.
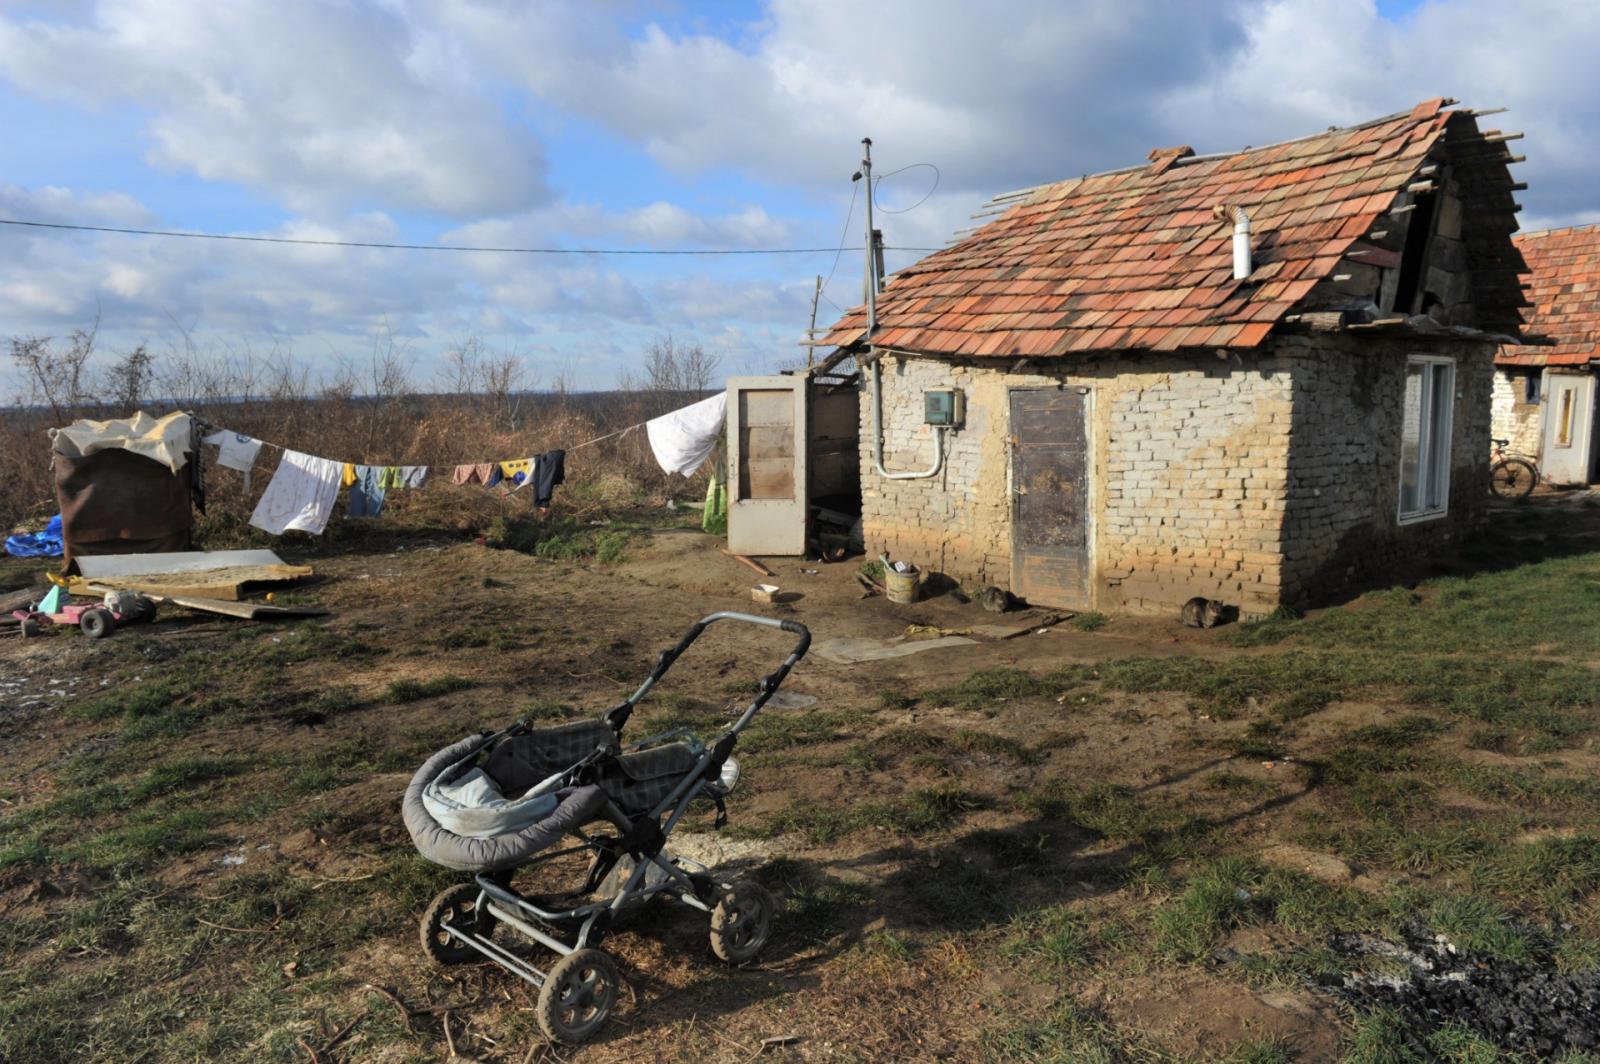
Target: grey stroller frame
{"x": 579, "y": 991}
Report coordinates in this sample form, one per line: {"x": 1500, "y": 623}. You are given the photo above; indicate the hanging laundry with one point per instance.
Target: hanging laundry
{"x": 477, "y": 473}
{"x": 516, "y": 471}
{"x": 684, "y": 439}
{"x": 402, "y": 476}
{"x": 300, "y": 496}
{"x": 549, "y": 469}
{"x": 235, "y": 450}
{"x": 365, "y": 498}
{"x": 714, "y": 518}
{"x": 350, "y": 474}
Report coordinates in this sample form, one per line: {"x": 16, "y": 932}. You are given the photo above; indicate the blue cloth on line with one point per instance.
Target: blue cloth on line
{"x": 46, "y": 544}
{"x": 366, "y": 497}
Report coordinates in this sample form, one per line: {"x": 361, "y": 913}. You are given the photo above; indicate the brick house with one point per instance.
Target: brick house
{"x": 1544, "y": 396}
{"x": 1119, "y": 421}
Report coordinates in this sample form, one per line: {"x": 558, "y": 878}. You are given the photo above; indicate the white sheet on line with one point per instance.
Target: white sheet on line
{"x": 684, "y": 439}
{"x": 301, "y": 495}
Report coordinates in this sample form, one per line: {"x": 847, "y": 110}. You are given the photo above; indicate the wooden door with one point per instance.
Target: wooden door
{"x": 1049, "y": 486}
{"x": 1568, "y": 425}
{"x": 767, "y": 465}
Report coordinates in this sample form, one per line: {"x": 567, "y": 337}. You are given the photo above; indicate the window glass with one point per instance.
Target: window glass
{"x": 1425, "y": 427}
{"x": 1411, "y": 441}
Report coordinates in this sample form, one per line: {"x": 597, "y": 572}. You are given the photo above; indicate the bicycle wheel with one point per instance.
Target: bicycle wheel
{"x": 1512, "y": 478}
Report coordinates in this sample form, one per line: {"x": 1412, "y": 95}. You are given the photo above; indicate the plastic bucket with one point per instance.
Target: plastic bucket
{"x": 902, "y": 587}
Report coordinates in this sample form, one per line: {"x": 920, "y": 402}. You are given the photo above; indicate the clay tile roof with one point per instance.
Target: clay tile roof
{"x": 1148, "y": 249}
{"x": 1565, "y": 288}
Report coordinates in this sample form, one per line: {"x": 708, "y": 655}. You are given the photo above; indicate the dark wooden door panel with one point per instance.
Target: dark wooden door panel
{"x": 1049, "y": 480}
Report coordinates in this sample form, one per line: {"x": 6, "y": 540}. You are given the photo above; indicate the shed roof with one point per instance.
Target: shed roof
{"x": 1142, "y": 258}
{"x": 1565, "y": 288}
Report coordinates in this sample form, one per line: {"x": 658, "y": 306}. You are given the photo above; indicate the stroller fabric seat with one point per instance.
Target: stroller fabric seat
{"x": 638, "y": 782}
{"x": 518, "y": 829}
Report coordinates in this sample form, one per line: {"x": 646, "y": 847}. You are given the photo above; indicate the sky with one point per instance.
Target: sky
{"x": 586, "y": 124}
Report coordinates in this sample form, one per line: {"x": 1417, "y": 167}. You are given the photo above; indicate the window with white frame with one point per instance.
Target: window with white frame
{"x": 1426, "y": 418}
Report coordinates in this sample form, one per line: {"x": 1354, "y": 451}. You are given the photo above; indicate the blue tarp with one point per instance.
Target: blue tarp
{"x": 46, "y": 544}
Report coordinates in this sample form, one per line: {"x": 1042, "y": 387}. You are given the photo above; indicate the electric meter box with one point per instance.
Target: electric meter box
{"x": 944, "y": 409}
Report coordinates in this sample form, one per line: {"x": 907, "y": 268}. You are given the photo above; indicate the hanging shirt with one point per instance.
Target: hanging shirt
{"x": 516, "y": 471}
{"x": 412, "y": 476}
{"x": 684, "y": 439}
{"x": 351, "y": 474}
{"x": 301, "y": 495}
{"x": 549, "y": 469}
{"x": 366, "y": 497}
{"x": 235, "y": 450}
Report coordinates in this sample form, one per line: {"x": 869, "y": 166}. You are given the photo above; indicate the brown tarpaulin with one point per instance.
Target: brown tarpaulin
{"x": 118, "y": 502}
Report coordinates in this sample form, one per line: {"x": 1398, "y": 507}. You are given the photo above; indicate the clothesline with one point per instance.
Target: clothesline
{"x": 212, "y": 427}
{"x": 305, "y": 487}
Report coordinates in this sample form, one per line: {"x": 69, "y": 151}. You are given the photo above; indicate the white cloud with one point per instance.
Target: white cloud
{"x": 314, "y": 105}
{"x": 351, "y": 114}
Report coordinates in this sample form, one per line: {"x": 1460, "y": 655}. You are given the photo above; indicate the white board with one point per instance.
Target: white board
{"x": 101, "y": 566}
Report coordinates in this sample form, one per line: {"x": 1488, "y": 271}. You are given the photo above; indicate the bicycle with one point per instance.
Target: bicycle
{"x": 1512, "y": 475}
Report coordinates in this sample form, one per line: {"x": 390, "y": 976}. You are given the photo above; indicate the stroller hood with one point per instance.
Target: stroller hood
{"x": 576, "y": 807}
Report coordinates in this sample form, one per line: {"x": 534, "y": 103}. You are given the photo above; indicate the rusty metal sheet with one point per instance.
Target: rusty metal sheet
{"x": 1049, "y": 480}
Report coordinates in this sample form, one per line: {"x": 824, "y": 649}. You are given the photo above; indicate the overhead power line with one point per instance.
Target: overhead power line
{"x": 436, "y": 247}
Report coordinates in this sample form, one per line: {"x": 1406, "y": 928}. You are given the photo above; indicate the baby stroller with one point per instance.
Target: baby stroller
{"x": 496, "y": 804}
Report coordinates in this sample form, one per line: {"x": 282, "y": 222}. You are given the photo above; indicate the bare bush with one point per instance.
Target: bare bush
{"x": 671, "y": 372}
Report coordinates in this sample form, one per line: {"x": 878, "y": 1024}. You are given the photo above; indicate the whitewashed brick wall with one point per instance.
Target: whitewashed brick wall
{"x": 1512, "y": 418}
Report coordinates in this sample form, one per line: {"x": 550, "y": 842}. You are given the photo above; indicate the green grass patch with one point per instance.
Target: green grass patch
{"x": 403, "y": 691}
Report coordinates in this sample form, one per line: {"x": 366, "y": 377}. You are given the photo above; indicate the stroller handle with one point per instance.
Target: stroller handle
{"x": 769, "y": 683}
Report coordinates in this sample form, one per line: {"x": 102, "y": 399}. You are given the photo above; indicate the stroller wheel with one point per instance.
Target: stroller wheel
{"x": 458, "y": 907}
{"x": 578, "y": 995}
{"x": 741, "y": 923}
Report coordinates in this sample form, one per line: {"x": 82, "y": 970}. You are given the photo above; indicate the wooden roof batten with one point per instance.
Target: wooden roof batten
{"x": 1135, "y": 258}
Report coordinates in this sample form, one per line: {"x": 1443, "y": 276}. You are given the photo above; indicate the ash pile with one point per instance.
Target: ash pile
{"x": 1527, "y": 1007}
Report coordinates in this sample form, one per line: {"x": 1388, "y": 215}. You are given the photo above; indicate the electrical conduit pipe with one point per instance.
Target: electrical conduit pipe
{"x": 877, "y": 359}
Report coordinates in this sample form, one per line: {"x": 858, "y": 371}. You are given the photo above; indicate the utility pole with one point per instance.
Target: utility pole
{"x": 811, "y": 333}
{"x": 870, "y": 278}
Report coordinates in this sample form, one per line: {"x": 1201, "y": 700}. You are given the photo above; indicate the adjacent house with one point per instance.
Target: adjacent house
{"x": 1259, "y": 376}
{"x": 1544, "y": 396}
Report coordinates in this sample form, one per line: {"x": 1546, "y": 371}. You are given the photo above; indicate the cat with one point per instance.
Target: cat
{"x": 1201, "y": 612}
{"x": 995, "y": 600}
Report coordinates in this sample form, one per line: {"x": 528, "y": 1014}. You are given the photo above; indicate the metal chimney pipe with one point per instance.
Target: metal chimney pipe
{"x": 1242, "y": 265}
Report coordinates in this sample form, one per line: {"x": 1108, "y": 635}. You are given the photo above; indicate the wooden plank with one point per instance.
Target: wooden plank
{"x": 1011, "y": 631}
{"x": 247, "y": 611}
{"x": 16, "y": 600}
{"x": 232, "y": 583}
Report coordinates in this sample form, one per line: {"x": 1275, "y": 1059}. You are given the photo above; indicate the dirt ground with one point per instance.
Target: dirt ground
{"x": 993, "y": 850}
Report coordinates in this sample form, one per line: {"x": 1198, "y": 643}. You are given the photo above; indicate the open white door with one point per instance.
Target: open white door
{"x": 1568, "y": 426}
{"x": 767, "y": 465}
